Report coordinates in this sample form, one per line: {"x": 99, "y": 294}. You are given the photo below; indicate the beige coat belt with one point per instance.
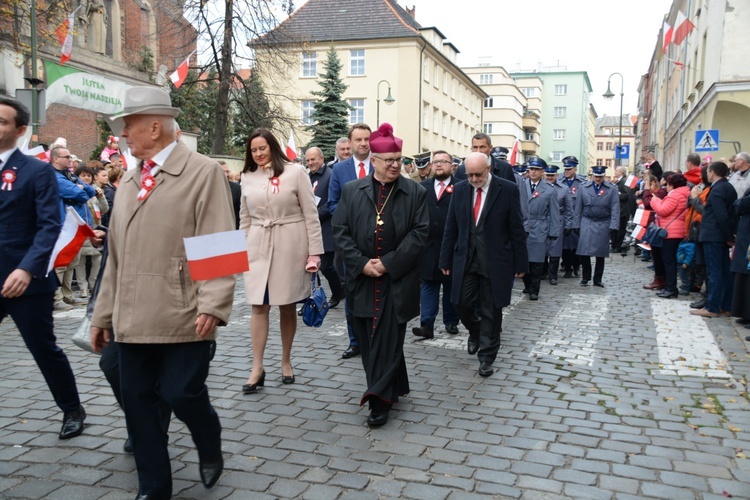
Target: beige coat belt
{"x": 268, "y": 225}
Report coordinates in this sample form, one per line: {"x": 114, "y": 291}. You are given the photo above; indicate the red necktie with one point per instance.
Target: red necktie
{"x": 362, "y": 172}
{"x": 477, "y": 205}
{"x": 146, "y": 169}
{"x": 442, "y": 189}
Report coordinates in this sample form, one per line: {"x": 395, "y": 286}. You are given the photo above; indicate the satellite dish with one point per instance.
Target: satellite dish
{"x": 161, "y": 76}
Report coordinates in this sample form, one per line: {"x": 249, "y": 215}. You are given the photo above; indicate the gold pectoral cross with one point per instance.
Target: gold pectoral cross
{"x": 379, "y": 221}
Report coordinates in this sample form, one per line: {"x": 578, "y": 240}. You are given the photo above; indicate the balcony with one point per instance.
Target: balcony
{"x": 530, "y": 148}
{"x": 530, "y": 122}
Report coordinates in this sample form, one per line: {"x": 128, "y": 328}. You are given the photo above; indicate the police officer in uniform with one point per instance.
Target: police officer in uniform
{"x": 596, "y": 217}
{"x": 570, "y": 179}
{"x": 565, "y": 201}
{"x": 544, "y": 223}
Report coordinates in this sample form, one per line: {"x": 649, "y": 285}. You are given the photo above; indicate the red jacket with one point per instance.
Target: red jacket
{"x": 693, "y": 176}
{"x": 671, "y": 211}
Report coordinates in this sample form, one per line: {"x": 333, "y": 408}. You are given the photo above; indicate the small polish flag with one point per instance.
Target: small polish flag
{"x": 638, "y": 232}
{"x": 180, "y": 74}
{"x": 682, "y": 29}
{"x": 291, "y": 149}
{"x": 642, "y": 217}
{"x": 514, "y": 153}
{"x": 74, "y": 233}
{"x": 631, "y": 181}
{"x": 64, "y": 34}
{"x": 215, "y": 255}
{"x": 667, "y": 32}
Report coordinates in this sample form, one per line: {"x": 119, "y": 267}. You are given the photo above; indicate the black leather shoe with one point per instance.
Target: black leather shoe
{"x": 211, "y": 471}
{"x": 533, "y": 296}
{"x": 485, "y": 370}
{"x": 253, "y": 388}
{"x": 211, "y": 350}
{"x": 452, "y": 329}
{"x": 152, "y": 496}
{"x": 287, "y": 379}
{"x": 333, "y": 302}
{"x": 525, "y": 290}
{"x": 351, "y": 352}
{"x": 128, "y": 446}
{"x": 377, "y": 418}
{"x": 742, "y": 321}
{"x": 73, "y": 423}
{"x": 423, "y": 332}
{"x": 472, "y": 346}
{"x": 584, "y": 282}
{"x": 553, "y": 282}
{"x": 667, "y": 295}
{"x": 699, "y": 304}
{"x": 568, "y": 274}
{"x": 600, "y": 284}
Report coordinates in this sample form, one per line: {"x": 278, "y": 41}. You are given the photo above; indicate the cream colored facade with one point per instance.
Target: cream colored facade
{"x": 709, "y": 89}
{"x": 437, "y": 106}
{"x": 606, "y": 139}
{"x": 508, "y": 114}
{"x": 592, "y": 135}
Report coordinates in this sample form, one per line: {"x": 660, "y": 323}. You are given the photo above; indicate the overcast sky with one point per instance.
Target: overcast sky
{"x": 597, "y": 36}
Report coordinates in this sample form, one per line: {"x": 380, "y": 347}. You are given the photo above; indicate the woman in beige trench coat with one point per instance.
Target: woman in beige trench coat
{"x": 279, "y": 215}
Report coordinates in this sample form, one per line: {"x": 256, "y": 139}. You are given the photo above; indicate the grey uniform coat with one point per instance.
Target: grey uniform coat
{"x": 595, "y": 214}
{"x": 544, "y": 218}
{"x": 565, "y": 201}
{"x": 570, "y": 242}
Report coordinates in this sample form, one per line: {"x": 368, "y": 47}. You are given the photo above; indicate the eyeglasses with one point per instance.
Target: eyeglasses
{"x": 441, "y": 162}
{"x": 68, "y": 157}
{"x": 390, "y": 161}
{"x": 478, "y": 176}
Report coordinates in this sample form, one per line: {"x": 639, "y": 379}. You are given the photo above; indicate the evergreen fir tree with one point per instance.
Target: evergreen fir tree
{"x": 331, "y": 115}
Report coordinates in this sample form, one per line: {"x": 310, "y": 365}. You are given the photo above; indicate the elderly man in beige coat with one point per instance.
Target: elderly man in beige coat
{"x": 163, "y": 321}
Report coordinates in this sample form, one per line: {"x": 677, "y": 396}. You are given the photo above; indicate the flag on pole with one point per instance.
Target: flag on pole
{"x": 215, "y": 255}
{"x": 638, "y": 232}
{"x": 64, "y": 34}
{"x": 682, "y": 29}
{"x": 668, "y": 33}
{"x": 74, "y": 233}
{"x": 642, "y": 217}
{"x": 291, "y": 149}
{"x": 631, "y": 181}
{"x": 514, "y": 153}
{"x": 180, "y": 74}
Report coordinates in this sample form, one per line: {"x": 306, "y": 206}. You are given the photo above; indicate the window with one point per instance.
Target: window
{"x": 357, "y": 113}
{"x": 445, "y": 82}
{"x": 453, "y": 88}
{"x": 426, "y": 69}
{"x": 599, "y": 162}
{"x": 530, "y": 91}
{"x": 485, "y": 79}
{"x": 425, "y": 116}
{"x": 530, "y": 136}
{"x": 357, "y": 63}
{"x": 626, "y": 131}
{"x": 609, "y": 146}
{"x": 445, "y": 124}
{"x": 435, "y": 120}
{"x": 560, "y": 111}
{"x": 607, "y": 131}
{"x": 608, "y": 162}
{"x": 309, "y": 64}
{"x": 599, "y": 146}
{"x": 488, "y": 102}
{"x": 557, "y": 155}
{"x": 436, "y": 77}
{"x": 453, "y": 129}
{"x": 307, "y": 110}
{"x": 558, "y": 134}
{"x": 460, "y": 93}
{"x": 561, "y": 89}
{"x": 487, "y": 129}
{"x": 459, "y": 131}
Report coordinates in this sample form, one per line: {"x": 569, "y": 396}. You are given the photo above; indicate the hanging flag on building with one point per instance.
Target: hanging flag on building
{"x": 291, "y": 149}
{"x": 514, "y": 153}
{"x": 215, "y": 255}
{"x": 668, "y": 33}
{"x": 64, "y": 34}
{"x": 74, "y": 233}
{"x": 682, "y": 28}
{"x": 180, "y": 74}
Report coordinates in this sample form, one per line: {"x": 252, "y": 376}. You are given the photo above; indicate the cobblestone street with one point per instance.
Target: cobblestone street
{"x": 599, "y": 393}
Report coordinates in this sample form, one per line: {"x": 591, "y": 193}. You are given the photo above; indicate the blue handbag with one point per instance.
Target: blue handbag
{"x": 316, "y": 307}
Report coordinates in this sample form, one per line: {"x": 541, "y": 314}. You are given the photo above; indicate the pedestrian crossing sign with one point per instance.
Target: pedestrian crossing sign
{"x": 706, "y": 140}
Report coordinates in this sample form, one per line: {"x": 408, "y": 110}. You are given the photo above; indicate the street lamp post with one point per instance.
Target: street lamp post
{"x": 388, "y": 100}
{"x": 608, "y": 95}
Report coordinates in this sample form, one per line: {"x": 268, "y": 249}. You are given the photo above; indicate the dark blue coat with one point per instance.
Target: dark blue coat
{"x": 719, "y": 219}
{"x": 342, "y": 173}
{"x": 438, "y": 210}
{"x": 739, "y": 258}
{"x": 29, "y": 222}
{"x": 504, "y": 233}
{"x": 320, "y": 181}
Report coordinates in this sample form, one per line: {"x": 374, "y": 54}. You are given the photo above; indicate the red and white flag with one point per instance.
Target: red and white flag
{"x": 642, "y": 217}
{"x": 638, "y": 232}
{"x": 215, "y": 255}
{"x": 682, "y": 29}
{"x": 514, "y": 153}
{"x": 74, "y": 233}
{"x": 64, "y": 34}
{"x": 668, "y": 33}
{"x": 631, "y": 181}
{"x": 180, "y": 74}
{"x": 291, "y": 149}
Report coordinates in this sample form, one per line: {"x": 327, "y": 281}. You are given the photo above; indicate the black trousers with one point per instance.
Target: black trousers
{"x": 570, "y": 260}
{"x": 179, "y": 371}
{"x": 669, "y": 261}
{"x": 617, "y": 241}
{"x": 553, "y": 267}
{"x": 533, "y": 279}
{"x": 328, "y": 269}
{"x": 32, "y": 315}
{"x": 586, "y": 268}
{"x": 476, "y": 297}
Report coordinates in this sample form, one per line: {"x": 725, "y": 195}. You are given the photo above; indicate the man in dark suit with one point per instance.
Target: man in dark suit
{"x": 355, "y": 167}
{"x": 29, "y": 226}
{"x": 481, "y": 143}
{"x": 439, "y": 191}
{"x": 380, "y": 228}
{"x": 320, "y": 177}
{"x": 484, "y": 248}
